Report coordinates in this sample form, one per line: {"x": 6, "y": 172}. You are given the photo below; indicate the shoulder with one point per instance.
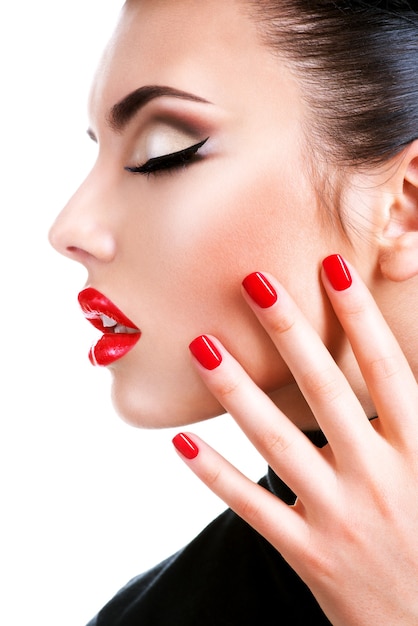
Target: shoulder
{"x": 227, "y": 575}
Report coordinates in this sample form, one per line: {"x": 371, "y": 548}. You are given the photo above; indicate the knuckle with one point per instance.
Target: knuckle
{"x": 249, "y": 511}
{"x": 282, "y": 324}
{"x": 212, "y": 477}
{"x": 383, "y": 368}
{"x": 323, "y": 384}
{"x": 227, "y": 387}
{"x": 274, "y": 443}
{"x": 319, "y": 562}
{"x": 355, "y": 307}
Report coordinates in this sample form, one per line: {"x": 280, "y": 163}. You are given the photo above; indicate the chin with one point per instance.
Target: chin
{"x": 144, "y": 409}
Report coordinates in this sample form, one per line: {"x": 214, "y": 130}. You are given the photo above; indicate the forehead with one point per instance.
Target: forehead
{"x": 209, "y": 47}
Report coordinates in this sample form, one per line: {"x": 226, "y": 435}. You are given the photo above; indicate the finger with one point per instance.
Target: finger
{"x": 389, "y": 378}
{"x": 329, "y": 395}
{"x": 285, "y": 448}
{"x": 265, "y": 512}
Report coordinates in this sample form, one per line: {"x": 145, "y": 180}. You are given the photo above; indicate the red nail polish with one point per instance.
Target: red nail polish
{"x": 337, "y": 272}
{"x": 259, "y": 289}
{"x": 205, "y": 352}
{"x": 185, "y": 446}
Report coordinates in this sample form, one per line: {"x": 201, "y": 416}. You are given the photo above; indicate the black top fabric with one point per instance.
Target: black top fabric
{"x": 227, "y": 576}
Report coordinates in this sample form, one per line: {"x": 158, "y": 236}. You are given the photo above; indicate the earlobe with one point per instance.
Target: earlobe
{"x": 399, "y": 259}
{"x": 399, "y": 250}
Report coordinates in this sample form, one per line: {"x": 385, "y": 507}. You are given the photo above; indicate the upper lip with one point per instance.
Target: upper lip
{"x": 103, "y": 314}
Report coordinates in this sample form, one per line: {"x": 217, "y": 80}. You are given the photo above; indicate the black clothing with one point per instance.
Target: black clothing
{"x": 227, "y": 576}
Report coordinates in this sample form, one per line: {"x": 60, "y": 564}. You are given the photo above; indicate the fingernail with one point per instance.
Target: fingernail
{"x": 337, "y": 272}
{"x": 205, "y": 352}
{"x": 185, "y": 446}
{"x": 259, "y": 289}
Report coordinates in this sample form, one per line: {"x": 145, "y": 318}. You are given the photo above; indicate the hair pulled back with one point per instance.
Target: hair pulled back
{"x": 357, "y": 63}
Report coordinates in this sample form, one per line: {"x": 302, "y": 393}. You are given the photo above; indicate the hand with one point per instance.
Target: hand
{"x": 352, "y": 534}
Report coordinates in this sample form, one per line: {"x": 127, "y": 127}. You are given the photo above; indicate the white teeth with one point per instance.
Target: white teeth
{"x": 124, "y": 329}
{"x": 107, "y": 321}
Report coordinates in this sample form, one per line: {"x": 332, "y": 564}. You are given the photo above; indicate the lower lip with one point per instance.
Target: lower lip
{"x": 112, "y": 347}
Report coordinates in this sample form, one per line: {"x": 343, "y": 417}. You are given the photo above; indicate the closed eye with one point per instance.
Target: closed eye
{"x": 171, "y": 161}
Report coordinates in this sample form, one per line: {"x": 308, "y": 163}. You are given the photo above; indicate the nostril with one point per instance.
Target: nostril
{"x": 74, "y": 253}
{"x": 98, "y": 245}
{"x": 78, "y": 254}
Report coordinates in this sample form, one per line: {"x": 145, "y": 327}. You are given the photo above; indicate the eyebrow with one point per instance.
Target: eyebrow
{"x": 123, "y": 111}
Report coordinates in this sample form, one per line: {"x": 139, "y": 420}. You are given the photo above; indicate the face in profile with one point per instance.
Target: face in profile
{"x": 200, "y": 179}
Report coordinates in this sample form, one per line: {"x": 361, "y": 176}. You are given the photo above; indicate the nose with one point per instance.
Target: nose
{"x": 83, "y": 230}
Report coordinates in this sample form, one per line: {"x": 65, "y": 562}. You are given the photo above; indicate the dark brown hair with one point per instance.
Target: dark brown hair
{"x": 357, "y": 63}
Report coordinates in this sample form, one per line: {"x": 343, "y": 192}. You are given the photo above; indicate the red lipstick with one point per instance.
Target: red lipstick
{"x": 119, "y": 333}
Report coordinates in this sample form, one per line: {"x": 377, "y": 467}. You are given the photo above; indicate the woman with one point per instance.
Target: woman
{"x": 247, "y": 142}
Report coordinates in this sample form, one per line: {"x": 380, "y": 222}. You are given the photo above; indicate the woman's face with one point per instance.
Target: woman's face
{"x": 170, "y": 244}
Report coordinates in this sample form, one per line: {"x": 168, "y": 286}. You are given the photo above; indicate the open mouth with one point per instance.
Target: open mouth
{"x": 108, "y": 325}
{"x": 119, "y": 334}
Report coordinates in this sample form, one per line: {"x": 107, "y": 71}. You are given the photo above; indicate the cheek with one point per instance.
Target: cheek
{"x": 246, "y": 221}
{"x": 189, "y": 255}
{"x": 237, "y": 219}
{"x": 210, "y": 244}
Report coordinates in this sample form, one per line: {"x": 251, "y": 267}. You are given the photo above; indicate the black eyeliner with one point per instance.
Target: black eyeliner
{"x": 167, "y": 161}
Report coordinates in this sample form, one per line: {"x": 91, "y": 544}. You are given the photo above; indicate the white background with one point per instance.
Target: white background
{"x": 87, "y": 502}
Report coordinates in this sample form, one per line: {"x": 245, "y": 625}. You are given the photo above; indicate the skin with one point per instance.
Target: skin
{"x": 351, "y": 535}
{"x": 172, "y": 250}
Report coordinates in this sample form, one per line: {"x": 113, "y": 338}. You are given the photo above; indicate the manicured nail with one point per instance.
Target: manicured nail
{"x": 259, "y": 289}
{"x": 185, "y": 446}
{"x": 205, "y": 352}
{"x": 337, "y": 272}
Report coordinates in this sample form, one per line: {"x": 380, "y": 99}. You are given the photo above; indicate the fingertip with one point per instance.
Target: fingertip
{"x": 337, "y": 272}
{"x": 260, "y": 290}
{"x": 185, "y": 446}
{"x": 205, "y": 352}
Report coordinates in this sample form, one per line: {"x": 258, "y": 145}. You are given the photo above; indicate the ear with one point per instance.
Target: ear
{"x": 399, "y": 250}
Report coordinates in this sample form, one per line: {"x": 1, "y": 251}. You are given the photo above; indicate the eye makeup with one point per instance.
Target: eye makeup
{"x": 173, "y": 160}
{"x": 165, "y": 134}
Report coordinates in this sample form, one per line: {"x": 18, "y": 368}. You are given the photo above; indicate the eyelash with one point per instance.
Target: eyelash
{"x": 167, "y": 162}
